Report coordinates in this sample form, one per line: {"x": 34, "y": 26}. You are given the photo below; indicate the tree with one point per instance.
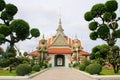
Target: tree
{"x": 25, "y": 54}
{"x": 104, "y": 25}
{"x": 14, "y": 30}
{"x": 99, "y": 53}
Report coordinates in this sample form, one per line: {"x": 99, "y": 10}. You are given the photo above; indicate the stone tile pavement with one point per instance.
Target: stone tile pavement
{"x": 61, "y": 73}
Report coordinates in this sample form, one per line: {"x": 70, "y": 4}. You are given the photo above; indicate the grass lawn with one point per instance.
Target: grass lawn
{"x": 13, "y": 73}
{"x": 7, "y": 73}
{"x": 108, "y": 72}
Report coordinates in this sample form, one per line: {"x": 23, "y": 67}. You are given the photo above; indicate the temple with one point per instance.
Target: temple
{"x": 60, "y": 50}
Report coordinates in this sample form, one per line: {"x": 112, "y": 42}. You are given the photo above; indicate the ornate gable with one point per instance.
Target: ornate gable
{"x": 60, "y": 41}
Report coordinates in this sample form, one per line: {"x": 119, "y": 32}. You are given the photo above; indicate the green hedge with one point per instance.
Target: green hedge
{"x": 82, "y": 67}
{"x": 94, "y": 68}
{"x": 23, "y": 69}
{"x": 36, "y": 68}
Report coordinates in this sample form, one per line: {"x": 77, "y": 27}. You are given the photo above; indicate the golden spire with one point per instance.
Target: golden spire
{"x": 60, "y": 29}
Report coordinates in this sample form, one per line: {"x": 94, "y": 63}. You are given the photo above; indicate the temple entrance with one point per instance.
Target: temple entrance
{"x": 59, "y": 60}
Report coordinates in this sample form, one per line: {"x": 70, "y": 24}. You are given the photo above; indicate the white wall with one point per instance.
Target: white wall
{"x": 67, "y": 56}
{"x": 52, "y": 59}
{"x": 67, "y": 60}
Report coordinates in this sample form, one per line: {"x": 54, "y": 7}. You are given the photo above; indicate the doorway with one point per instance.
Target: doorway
{"x": 59, "y": 60}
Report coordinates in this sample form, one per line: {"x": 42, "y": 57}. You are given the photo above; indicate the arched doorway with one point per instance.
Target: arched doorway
{"x": 59, "y": 60}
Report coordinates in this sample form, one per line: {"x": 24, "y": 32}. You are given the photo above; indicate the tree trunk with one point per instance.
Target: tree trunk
{"x": 115, "y": 68}
{"x": 10, "y": 70}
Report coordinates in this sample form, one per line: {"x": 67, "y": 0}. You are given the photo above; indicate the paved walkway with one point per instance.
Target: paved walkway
{"x": 61, "y": 73}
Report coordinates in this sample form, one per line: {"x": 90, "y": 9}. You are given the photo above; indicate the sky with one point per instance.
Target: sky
{"x": 44, "y": 15}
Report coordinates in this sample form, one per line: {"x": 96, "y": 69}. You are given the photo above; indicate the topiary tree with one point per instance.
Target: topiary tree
{"x": 25, "y": 54}
{"x": 10, "y": 52}
{"x": 94, "y": 68}
{"x": 85, "y": 61}
{"x": 23, "y": 69}
{"x": 104, "y": 25}
{"x": 99, "y": 53}
{"x": 14, "y": 30}
{"x": 36, "y": 68}
{"x": 82, "y": 67}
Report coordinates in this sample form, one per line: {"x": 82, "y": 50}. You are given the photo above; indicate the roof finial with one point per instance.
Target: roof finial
{"x": 76, "y": 39}
{"x": 43, "y": 36}
{"x": 60, "y": 12}
{"x": 76, "y": 36}
{"x": 60, "y": 21}
{"x": 60, "y": 16}
{"x": 60, "y": 29}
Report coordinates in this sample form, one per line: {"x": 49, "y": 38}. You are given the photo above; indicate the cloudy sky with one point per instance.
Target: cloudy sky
{"x": 44, "y": 15}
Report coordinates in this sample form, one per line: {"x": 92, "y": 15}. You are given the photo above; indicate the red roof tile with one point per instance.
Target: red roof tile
{"x": 59, "y": 51}
{"x": 34, "y": 53}
{"x": 84, "y": 53}
{"x": 48, "y": 42}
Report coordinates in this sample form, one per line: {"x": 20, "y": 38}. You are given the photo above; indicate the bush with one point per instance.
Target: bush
{"x": 85, "y": 61}
{"x": 23, "y": 69}
{"x": 82, "y": 67}
{"x": 5, "y": 63}
{"x": 36, "y": 68}
{"x": 94, "y": 68}
{"x": 76, "y": 64}
{"x": 43, "y": 64}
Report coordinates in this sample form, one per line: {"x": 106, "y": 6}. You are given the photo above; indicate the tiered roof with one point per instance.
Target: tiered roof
{"x": 60, "y": 43}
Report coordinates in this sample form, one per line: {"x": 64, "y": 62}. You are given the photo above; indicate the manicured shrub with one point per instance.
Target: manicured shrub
{"x": 36, "y": 68}
{"x": 43, "y": 64}
{"x": 82, "y": 67}
{"x": 2, "y": 5}
{"x": 5, "y": 63}
{"x": 11, "y": 9}
{"x": 111, "y": 5}
{"x": 93, "y": 25}
{"x": 88, "y": 16}
{"x": 93, "y": 35}
{"x": 23, "y": 69}
{"x": 35, "y": 32}
{"x": 76, "y": 64}
{"x": 98, "y": 9}
{"x": 94, "y": 68}
{"x": 85, "y": 61}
